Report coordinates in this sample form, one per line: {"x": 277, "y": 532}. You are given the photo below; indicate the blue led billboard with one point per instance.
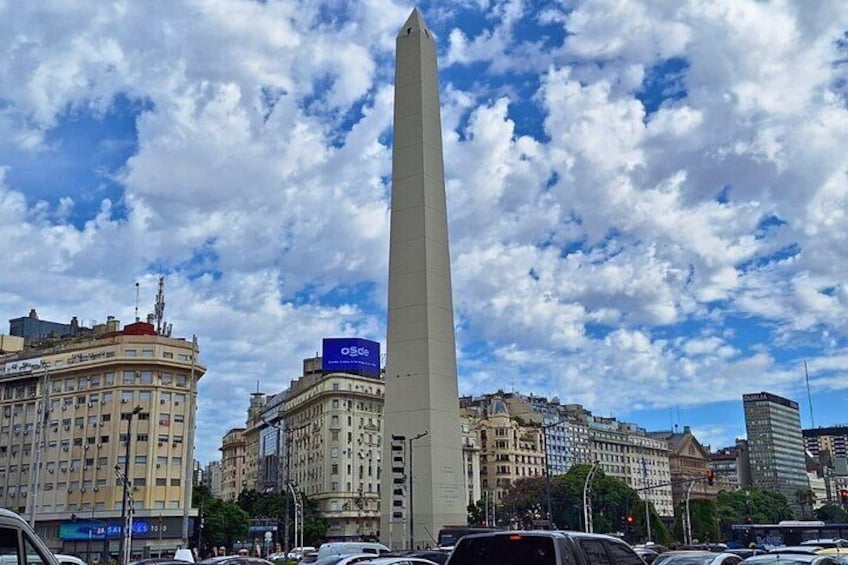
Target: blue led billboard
{"x": 351, "y": 355}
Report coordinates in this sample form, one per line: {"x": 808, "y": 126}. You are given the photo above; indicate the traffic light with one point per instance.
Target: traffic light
{"x": 843, "y": 496}
{"x": 630, "y": 520}
{"x": 710, "y": 477}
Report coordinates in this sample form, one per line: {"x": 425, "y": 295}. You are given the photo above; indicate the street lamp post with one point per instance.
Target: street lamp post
{"x": 587, "y": 507}
{"x": 126, "y": 534}
{"x": 687, "y": 533}
{"x": 411, "y": 516}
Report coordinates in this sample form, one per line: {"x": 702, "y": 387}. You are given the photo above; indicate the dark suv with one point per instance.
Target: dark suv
{"x": 542, "y": 548}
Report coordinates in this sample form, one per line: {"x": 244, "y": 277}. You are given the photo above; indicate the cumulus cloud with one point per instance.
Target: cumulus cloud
{"x": 643, "y": 196}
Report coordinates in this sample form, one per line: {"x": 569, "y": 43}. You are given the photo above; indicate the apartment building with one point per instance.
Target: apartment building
{"x": 510, "y": 447}
{"x": 212, "y": 478}
{"x": 233, "y": 470}
{"x": 689, "y": 462}
{"x": 82, "y": 408}
{"x": 333, "y": 418}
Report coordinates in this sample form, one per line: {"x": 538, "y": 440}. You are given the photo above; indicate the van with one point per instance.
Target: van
{"x": 348, "y": 547}
{"x": 19, "y": 541}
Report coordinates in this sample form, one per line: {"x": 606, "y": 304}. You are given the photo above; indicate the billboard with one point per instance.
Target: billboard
{"x": 351, "y": 355}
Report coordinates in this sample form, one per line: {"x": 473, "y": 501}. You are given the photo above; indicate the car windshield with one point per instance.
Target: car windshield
{"x": 505, "y": 550}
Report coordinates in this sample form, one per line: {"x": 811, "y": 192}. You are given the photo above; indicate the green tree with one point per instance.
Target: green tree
{"x": 831, "y": 514}
{"x": 476, "y": 513}
{"x": 659, "y": 532}
{"x": 706, "y": 524}
{"x": 314, "y": 525}
{"x": 224, "y": 522}
{"x": 761, "y": 507}
{"x": 806, "y": 499}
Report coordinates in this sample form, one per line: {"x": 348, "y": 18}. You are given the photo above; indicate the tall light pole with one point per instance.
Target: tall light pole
{"x": 38, "y": 431}
{"x": 587, "y": 506}
{"x": 687, "y": 533}
{"x": 411, "y": 516}
{"x": 125, "y": 534}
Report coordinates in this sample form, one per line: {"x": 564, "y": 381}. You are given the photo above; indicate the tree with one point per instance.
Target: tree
{"x": 659, "y": 533}
{"x": 806, "y": 499}
{"x": 224, "y": 522}
{"x": 754, "y": 505}
{"x": 831, "y": 514}
{"x": 476, "y": 513}
{"x": 705, "y": 520}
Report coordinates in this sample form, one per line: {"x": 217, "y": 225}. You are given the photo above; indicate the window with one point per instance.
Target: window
{"x": 175, "y": 482}
{"x": 168, "y": 355}
{"x": 595, "y": 552}
{"x": 109, "y": 379}
{"x": 146, "y": 377}
{"x": 139, "y": 483}
{"x": 167, "y": 379}
{"x": 131, "y": 353}
{"x": 161, "y": 482}
{"x": 127, "y": 396}
{"x": 181, "y": 380}
{"x": 147, "y": 353}
{"x": 161, "y": 460}
{"x": 623, "y": 555}
{"x": 129, "y": 378}
{"x": 141, "y": 459}
{"x": 176, "y": 460}
{"x": 179, "y": 418}
{"x": 144, "y": 396}
{"x": 33, "y": 556}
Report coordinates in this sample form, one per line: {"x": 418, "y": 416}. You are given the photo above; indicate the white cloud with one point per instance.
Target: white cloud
{"x": 581, "y": 248}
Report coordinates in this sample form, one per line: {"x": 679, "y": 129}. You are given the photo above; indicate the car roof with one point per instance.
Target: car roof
{"x": 772, "y": 557}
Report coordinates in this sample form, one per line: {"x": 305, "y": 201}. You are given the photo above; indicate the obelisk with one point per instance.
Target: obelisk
{"x": 421, "y": 412}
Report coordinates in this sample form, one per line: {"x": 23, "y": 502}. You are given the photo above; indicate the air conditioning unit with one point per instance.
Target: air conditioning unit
{"x": 50, "y": 470}
{"x": 102, "y": 424}
{"x": 26, "y": 432}
{"x": 67, "y": 427}
{"x": 102, "y": 402}
{"x": 87, "y": 446}
{"x": 24, "y": 493}
{"x": 64, "y": 448}
{"x": 160, "y": 444}
{"x": 70, "y": 489}
{"x": 82, "y": 489}
{"x": 90, "y": 404}
{"x": 64, "y": 407}
{"x": 158, "y": 465}
{"x": 96, "y": 489}
{"x": 124, "y": 401}
{"x": 177, "y": 402}
{"x": 76, "y": 405}
{"x": 99, "y": 445}
{"x": 85, "y": 467}
{"x": 73, "y": 469}
{"x": 63, "y": 469}
{"x": 161, "y": 401}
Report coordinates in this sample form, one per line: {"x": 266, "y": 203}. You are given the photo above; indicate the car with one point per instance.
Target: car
{"x": 838, "y": 553}
{"x": 399, "y": 560}
{"x": 348, "y": 547}
{"x": 697, "y": 557}
{"x": 18, "y": 538}
{"x": 647, "y": 555}
{"x": 297, "y": 553}
{"x": 541, "y": 547}
{"x": 827, "y": 543}
{"x": 784, "y": 549}
{"x": 69, "y": 559}
{"x": 791, "y": 559}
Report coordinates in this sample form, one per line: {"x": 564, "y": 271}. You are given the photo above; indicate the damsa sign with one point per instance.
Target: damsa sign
{"x": 351, "y": 354}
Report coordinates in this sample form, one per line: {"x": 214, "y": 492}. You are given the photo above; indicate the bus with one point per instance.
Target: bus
{"x": 786, "y": 532}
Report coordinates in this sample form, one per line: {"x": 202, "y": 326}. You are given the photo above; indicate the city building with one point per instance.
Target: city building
{"x": 272, "y": 449}
{"x": 731, "y": 465}
{"x": 333, "y": 417}
{"x": 827, "y": 444}
{"x": 212, "y": 478}
{"x": 81, "y": 411}
{"x": 471, "y": 459}
{"x": 510, "y": 447}
{"x": 776, "y": 446}
{"x": 421, "y": 379}
{"x": 233, "y": 478}
{"x": 689, "y": 462}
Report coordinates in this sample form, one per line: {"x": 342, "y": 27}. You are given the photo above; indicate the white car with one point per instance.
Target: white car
{"x": 69, "y": 559}
{"x": 297, "y": 553}
{"x": 401, "y": 560}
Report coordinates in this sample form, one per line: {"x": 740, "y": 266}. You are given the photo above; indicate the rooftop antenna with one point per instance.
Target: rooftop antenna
{"x": 809, "y": 396}
{"x": 159, "y": 307}
{"x": 136, "y": 302}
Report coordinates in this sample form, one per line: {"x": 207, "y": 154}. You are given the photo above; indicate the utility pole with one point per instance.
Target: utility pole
{"x": 190, "y": 423}
{"x": 126, "y": 533}
{"x": 687, "y": 533}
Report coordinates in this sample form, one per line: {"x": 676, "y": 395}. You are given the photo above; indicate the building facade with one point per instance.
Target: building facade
{"x": 212, "y": 478}
{"x": 827, "y": 444}
{"x": 776, "y": 446}
{"x": 334, "y": 429}
{"x": 689, "y": 462}
{"x": 82, "y": 412}
{"x": 233, "y": 475}
{"x": 732, "y": 466}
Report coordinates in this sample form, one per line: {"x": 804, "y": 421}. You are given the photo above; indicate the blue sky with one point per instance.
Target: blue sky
{"x": 648, "y": 201}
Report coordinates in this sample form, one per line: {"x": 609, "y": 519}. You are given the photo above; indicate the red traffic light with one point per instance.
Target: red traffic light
{"x": 630, "y": 520}
{"x": 710, "y": 476}
{"x": 843, "y": 495}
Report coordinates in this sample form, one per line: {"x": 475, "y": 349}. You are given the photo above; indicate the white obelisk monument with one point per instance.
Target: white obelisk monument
{"x": 421, "y": 414}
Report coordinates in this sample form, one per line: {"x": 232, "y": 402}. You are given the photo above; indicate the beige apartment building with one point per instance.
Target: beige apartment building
{"x": 233, "y": 464}
{"x": 334, "y": 424}
{"x": 108, "y": 392}
{"x": 510, "y": 447}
